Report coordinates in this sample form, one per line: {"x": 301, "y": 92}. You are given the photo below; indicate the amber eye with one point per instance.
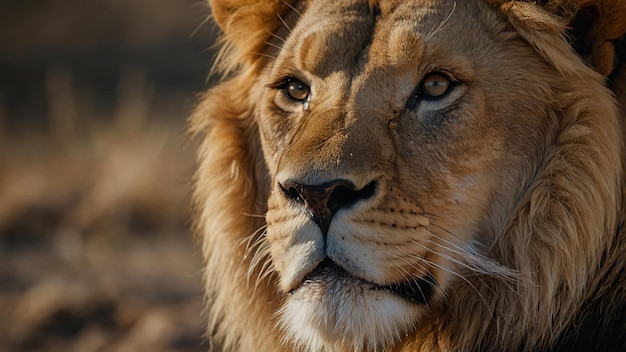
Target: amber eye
{"x": 296, "y": 90}
{"x": 436, "y": 85}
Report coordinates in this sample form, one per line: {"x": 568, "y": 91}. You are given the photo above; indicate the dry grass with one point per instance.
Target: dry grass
{"x": 95, "y": 253}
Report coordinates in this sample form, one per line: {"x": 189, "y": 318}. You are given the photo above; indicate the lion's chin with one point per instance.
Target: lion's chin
{"x": 334, "y": 311}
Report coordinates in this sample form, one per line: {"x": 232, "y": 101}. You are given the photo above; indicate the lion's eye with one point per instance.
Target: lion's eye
{"x": 296, "y": 90}
{"x": 436, "y": 85}
{"x": 293, "y": 90}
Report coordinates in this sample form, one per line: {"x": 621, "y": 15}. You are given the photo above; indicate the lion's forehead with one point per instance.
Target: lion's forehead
{"x": 354, "y": 35}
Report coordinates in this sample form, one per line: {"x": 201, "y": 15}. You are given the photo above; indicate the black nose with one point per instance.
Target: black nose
{"x": 323, "y": 201}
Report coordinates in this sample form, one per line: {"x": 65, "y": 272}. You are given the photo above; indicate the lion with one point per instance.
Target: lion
{"x": 417, "y": 175}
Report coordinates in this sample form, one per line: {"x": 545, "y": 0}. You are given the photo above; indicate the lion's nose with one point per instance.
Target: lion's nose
{"x": 323, "y": 201}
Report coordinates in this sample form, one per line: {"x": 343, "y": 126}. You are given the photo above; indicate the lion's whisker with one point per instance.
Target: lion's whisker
{"x": 468, "y": 249}
{"x": 258, "y": 216}
{"x": 278, "y": 47}
{"x": 292, "y": 8}
{"x": 480, "y": 265}
{"x": 199, "y": 26}
{"x": 473, "y": 267}
{"x": 476, "y": 263}
{"x": 276, "y": 36}
{"x": 249, "y": 239}
{"x": 260, "y": 250}
{"x": 286, "y": 45}
{"x": 479, "y": 262}
{"x": 473, "y": 251}
{"x": 460, "y": 276}
{"x": 407, "y": 275}
{"x": 267, "y": 55}
{"x": 465, "y": 254}
{"x": 431, "y": 263}
{"x": 284, "y": 23}
{"x": 442, "y": 25}
{"x": 261, "y": 256}
{"x": 414, "y": 265}
{"x": 263, "y": 274}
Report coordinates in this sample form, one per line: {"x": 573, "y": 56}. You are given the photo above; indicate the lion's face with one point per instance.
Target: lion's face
{"x": 396, "y": 147}
{"x": 427, "y": 175}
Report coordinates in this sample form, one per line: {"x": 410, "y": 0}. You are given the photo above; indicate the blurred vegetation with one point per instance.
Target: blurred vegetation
{"x": 95, "y": 248}
{"x": 96, "y": 42}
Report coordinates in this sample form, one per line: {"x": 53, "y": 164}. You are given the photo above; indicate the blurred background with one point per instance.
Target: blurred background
{"x": 95, "y": 248}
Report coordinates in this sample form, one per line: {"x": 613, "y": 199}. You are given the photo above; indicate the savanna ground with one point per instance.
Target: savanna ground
{"x": 95, "y": 248}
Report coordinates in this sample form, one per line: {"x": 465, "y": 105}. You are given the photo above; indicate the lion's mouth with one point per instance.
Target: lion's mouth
{"x": 418, "y": 290}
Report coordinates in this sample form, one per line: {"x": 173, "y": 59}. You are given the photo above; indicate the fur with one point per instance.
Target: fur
{"x": 507, "y": 194}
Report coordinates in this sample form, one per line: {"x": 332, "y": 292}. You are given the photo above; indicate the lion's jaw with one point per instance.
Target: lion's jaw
{"x": 389, "y": 257}
{"x": 332, "y": 311}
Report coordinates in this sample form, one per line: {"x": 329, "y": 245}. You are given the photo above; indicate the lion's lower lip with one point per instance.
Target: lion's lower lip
{"x": 418, "y": 290}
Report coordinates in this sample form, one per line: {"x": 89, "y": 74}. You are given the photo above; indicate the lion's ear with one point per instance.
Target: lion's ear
{"x": 597, "y": 28}
{"x": 247, "y": 24}
{"x": 594, "y": 28}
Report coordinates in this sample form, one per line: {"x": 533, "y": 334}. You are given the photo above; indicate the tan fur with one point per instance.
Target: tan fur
{"x": 508, "y": 191}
